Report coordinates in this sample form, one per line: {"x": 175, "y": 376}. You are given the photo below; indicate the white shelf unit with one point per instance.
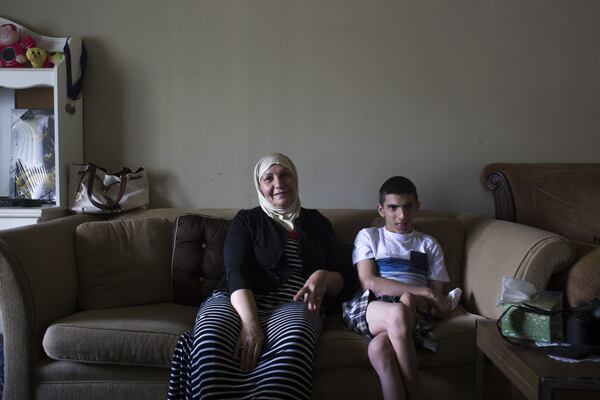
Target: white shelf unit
{"x": 68, "y": 127}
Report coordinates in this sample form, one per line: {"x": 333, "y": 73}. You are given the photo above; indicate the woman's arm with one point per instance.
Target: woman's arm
{"x": 328, "y": 279}
{"x": 335, "y": 282}
{"x": 237, "y": 254}
{"x": 251, "y": 339}
{"x": 318, "y": 284}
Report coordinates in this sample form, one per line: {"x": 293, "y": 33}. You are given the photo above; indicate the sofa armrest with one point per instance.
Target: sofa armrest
{"x": 494, "y": 249}
{"x": 38, "y": 284}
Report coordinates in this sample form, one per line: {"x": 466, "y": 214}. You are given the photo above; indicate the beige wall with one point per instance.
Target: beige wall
{"x": 353, "y": 91}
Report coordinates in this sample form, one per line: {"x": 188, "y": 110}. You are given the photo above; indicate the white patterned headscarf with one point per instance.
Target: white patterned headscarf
{"x": 284, "y": 216}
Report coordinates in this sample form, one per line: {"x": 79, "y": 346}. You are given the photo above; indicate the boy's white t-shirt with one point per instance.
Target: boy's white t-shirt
{"x": 392, "y": 253}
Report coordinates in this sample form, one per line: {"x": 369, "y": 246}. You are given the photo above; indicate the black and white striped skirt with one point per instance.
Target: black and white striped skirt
{"x": 204, "y": 365}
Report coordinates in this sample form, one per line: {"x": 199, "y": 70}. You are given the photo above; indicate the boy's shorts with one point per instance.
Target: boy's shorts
{"x": 354, "y": 312}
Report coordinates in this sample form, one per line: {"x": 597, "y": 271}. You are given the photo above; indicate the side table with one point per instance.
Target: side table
{"x": 533, "y": 373}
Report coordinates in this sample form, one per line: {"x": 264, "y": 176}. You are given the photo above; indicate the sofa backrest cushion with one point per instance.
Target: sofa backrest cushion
{"x": 583, "y": 279}
{"x": 197, "y": 264}
{"x": 123, "y": 262}
{"x": 449, "y": 234}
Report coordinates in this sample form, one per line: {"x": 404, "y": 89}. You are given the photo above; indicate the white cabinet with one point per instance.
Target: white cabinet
{"x": 68, "y": 124}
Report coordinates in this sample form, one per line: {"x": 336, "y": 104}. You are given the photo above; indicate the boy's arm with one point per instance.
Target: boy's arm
{"x": 437, "y": 268}
{"x": 440, "y": 302}
{"x": 370, "y": 280}
{"x": 436, "y": 286}
{"x": 367, "y": 274}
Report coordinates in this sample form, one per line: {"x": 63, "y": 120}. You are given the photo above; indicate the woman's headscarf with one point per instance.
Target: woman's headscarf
{"x": 284, "y": 216}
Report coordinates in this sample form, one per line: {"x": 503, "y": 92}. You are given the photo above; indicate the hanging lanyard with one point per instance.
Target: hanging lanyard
{"x": 74, "y": 90}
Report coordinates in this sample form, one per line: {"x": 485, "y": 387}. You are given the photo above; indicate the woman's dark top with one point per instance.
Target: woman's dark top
{"x": 254, "y": 256}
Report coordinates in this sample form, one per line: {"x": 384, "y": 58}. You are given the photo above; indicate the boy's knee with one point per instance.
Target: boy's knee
{"x": 381, "y": 353}
{"x": 401, "y": 321}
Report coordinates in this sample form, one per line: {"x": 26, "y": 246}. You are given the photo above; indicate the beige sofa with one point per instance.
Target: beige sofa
{"x": 54, "y": 349}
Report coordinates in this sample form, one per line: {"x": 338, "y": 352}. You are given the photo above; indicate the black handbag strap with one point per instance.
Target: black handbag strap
{"x": 111, "y": 205}
{"x": 74, "y": 89}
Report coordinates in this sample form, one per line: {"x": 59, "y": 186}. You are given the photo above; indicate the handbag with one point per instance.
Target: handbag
{"x": 93, "y": 190}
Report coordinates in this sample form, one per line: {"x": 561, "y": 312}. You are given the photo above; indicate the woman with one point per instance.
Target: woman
{"x": 281, "y": 263}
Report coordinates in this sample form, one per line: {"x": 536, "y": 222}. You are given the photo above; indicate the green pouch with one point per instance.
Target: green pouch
{"x": 539, "y": 319}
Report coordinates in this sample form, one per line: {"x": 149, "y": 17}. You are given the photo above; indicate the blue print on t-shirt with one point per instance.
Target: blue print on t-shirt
{"x": 402, "y": 270}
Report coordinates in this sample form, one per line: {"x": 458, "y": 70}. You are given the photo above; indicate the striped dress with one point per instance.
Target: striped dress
{"x": 204, "y": 366}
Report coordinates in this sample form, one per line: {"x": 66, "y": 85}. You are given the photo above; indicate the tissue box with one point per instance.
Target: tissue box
{"x": 541, "y": 325}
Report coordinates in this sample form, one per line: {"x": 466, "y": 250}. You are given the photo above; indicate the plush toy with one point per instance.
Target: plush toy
{"x": 54, "y": 57}
{"x": 13, "y": 47}
{"x": 37, "y": 57}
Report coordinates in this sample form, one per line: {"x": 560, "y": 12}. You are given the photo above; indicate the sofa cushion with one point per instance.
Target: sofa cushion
{"x": 137, "y": 335}
{"x": 583, "y": 280}
{"x": 449, "y": 234}
{"x": 197, "y": 264}
{"x": 455, "y": 335}
{"x": 456, "y": 340}
{"x": 123, "y": 263}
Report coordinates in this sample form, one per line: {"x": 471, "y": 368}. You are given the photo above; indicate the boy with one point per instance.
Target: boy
{"x": 402, "y": 272}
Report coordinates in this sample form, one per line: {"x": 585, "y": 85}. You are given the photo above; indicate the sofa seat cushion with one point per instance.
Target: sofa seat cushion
{"x": 456, "y": 340}
{"x": 455, "y": 334}
{"x": 137, "y": 335}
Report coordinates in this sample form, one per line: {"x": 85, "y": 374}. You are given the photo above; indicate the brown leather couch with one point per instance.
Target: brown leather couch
{"x": 88, "y": 311}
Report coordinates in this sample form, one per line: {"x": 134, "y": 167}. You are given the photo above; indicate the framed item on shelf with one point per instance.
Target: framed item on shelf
{"x": 32, "y": 155}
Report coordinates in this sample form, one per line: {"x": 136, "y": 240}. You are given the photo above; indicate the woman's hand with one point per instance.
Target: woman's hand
{"x": 250, "y": 342}
{"x": 249, "y": 345}
{"x": 313, "y": 290}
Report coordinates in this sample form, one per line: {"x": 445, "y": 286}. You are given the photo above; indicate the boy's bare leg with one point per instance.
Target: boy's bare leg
{"x": 383, "y": 359}
{"x": 398, "y": 321}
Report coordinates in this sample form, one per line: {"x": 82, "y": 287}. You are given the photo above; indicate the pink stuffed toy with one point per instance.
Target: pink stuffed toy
{"x": 13, "y": 47}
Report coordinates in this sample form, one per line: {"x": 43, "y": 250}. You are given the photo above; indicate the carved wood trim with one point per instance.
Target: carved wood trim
{"x": 503, "y": 197}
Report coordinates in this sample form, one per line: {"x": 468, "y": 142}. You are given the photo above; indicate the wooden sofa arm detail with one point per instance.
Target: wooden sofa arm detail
{"x": 558, "y": 197}
{"x": 503, "y": 198}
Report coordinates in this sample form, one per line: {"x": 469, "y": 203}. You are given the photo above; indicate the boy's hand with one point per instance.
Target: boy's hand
{"x": 422, "y": 305}
{"x": 439, "y": 302}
